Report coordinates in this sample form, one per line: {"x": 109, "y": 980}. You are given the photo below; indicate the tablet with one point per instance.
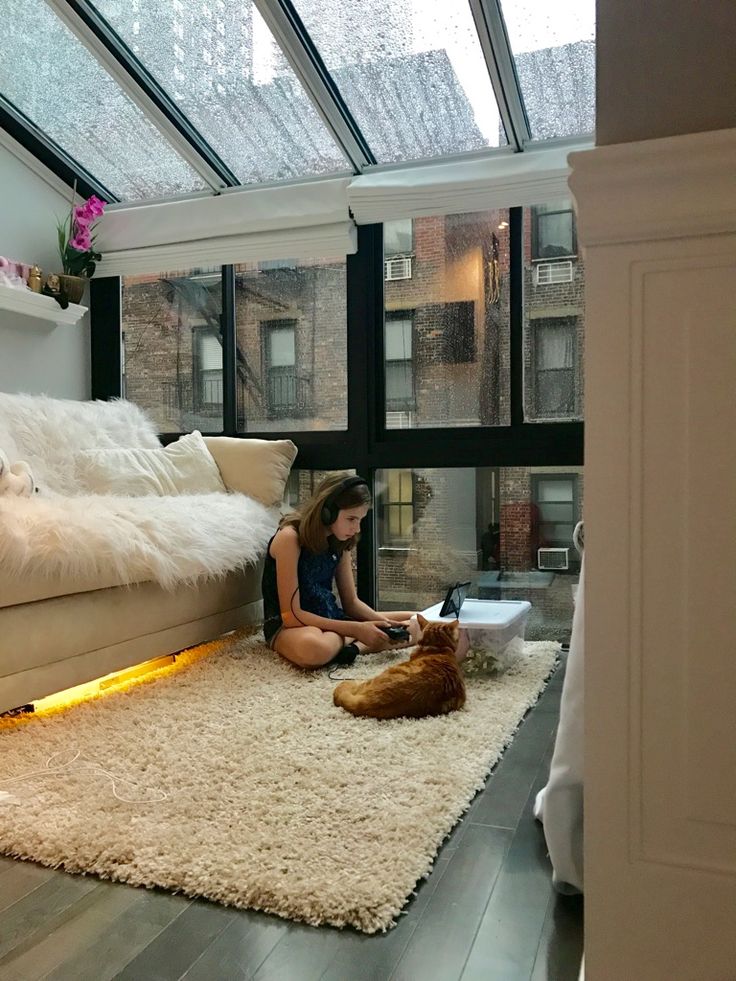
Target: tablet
{"x": 454, "y": 599}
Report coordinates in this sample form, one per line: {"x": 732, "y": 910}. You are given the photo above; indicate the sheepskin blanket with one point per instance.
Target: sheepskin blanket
{"x": 168, "y": 540}
{"x": 65, "y": 532}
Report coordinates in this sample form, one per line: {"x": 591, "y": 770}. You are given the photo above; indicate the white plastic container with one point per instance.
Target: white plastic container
{"x": 491, "y": 624}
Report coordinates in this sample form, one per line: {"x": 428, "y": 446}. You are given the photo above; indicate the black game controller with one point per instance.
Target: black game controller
{"x": 396, "y": 633}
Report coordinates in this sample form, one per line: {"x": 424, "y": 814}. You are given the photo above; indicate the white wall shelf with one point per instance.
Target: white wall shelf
{"x": 41, "y": 307}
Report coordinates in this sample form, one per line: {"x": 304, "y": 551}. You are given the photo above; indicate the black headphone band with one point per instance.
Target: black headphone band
{"x": 329, "y": 507}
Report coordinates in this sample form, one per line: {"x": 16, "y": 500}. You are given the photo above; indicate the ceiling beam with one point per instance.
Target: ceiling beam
{"x": 306, "y": 62}
{"x": 494, "y": 41}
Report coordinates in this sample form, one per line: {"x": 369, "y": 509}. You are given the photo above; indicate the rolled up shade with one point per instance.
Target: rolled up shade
{"x": 503, "y": 180}
{"x": 308, "y": 220}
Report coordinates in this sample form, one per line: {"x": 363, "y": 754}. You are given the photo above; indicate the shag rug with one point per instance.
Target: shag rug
{"x": 243, "y": 783}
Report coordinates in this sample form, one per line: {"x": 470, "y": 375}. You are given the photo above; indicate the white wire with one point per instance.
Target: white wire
{"x": 68, "y": 767}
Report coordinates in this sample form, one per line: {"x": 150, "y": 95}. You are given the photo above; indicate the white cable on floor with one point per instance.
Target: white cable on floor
{"x": 49, "y": 770}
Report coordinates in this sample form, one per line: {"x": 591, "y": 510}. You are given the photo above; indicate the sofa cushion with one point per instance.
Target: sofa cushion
{"x": 183, "y": 467}
{"x": 256, "y": 467}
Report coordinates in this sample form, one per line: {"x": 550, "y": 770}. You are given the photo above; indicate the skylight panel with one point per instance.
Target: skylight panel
{"x": 51, "y": 77}
{"x": 218, "y": 61}
{"x": 554, "y": 50}
{"x": 412, "y": 74}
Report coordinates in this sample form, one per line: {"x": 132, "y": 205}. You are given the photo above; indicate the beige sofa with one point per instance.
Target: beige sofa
{"x": 62, "y": 624}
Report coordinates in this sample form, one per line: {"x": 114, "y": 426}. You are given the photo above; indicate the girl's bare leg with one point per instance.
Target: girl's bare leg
{"x": 308, "y": 647}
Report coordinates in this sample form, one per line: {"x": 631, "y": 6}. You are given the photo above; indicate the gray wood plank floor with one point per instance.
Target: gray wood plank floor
{"x": 487, "y": 910}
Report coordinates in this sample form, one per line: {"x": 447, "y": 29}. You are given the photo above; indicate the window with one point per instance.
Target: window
{"x": 459, "y": 332}
{"x": 284, "y": 393}
{"x": 554, "y": 367}
{"x": 553, "y": 231}
{"x": 398, "y": 508}
{"x": 556, "y": 499}
{"x": 398, "y": 237}
{"x": 208, "y": 371}
{"x": 399, "y": 374}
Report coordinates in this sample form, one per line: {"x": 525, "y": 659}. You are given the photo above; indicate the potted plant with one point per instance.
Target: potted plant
{"x": 76, "y": 245}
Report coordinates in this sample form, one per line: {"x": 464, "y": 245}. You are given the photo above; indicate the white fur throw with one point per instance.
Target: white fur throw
{"x": 66, "y": 532}
{"x": 167, "y": 539}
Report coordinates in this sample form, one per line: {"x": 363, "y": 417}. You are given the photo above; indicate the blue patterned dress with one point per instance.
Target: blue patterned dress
{"x": 316, "y": 576}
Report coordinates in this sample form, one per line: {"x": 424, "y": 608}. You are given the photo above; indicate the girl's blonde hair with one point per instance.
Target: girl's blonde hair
{"x": 307, "y": 519}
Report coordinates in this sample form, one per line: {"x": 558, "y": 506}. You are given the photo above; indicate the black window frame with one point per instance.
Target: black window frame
{"x": 367, "y": 445}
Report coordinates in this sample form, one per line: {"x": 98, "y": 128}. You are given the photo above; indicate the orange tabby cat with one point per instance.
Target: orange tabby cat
{"x": 429, "y": 683}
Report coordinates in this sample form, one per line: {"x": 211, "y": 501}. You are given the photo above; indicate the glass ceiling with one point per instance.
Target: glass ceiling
{"x": 55, "y": 81}
{"x": 358, "y": 83}
{"x": 412, "y": 75}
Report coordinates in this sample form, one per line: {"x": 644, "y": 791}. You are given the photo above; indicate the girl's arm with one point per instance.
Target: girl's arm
{"x": 355, "y": 607}
{"x": 285, "y": 549}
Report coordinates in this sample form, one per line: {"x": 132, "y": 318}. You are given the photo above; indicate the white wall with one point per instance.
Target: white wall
{"x": 36, "y": 356}
{"x": 664, "y": 68}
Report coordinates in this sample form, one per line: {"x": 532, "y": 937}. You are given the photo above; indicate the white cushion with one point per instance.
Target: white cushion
{"x": 256, "y": 467}
{"x": 183, "y": 467}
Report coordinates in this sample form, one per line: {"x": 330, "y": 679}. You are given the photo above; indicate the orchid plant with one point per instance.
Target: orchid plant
{"x": 76, "y": 241}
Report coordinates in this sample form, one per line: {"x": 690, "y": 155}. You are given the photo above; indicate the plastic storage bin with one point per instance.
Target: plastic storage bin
{"x": 491, "y": 624}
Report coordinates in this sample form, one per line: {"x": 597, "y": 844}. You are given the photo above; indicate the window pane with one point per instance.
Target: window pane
{"x": 554, "y": 327}
{"x": 413, "y": 74}
{"x": 306, "y": 386}
{"x": 457, "y": 303}
{"x": 482, "y": 525}
{"x": 51, "y": 77}
{"x": 281, "y": 346}
{"x": 221, "y": 65}
{"x": 172, "y": 348}
{"x": 554, "y": 52}
{"x": 398, "y": 237}
{"x": 398, "y": 340}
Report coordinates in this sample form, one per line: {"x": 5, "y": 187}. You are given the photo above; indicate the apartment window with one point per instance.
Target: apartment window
{"x": 398, "y": 508}
{"x": 399, "y": 372}
{"x": 458, "y": 325}
{"x": 283, "y": 395}
{"x": 554, "y": 367}
{"x": 398, "y": 237}
{"x": 208, "y": 370}
{"x": 556, "y": 500}
{"x": 553, "y": 232}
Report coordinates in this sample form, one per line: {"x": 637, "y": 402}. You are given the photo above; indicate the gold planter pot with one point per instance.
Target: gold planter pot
{"x": 73, "y": 286}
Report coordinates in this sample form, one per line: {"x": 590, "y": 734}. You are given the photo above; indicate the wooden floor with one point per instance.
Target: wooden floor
{"x": 487, "y": 912}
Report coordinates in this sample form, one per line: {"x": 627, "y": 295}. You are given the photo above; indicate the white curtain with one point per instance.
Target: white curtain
{"x": 559, "y": 805}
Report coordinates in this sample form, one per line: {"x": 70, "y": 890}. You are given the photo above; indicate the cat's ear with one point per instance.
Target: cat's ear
{"x": 421, "y": 621}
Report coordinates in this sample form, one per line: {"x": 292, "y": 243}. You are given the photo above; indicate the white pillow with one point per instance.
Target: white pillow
{"x": 183, "y": 467}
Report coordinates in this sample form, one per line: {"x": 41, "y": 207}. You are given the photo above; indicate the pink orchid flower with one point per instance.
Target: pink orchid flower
{"x": 82, "y": 241}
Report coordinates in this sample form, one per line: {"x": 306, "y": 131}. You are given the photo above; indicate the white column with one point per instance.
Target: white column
{"x": 658, "y": 223}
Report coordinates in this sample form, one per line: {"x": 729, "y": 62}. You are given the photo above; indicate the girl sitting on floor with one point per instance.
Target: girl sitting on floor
{"x": 302, "y": 619}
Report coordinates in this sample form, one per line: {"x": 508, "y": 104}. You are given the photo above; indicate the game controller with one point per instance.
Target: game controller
{"x": 395, "y": 633}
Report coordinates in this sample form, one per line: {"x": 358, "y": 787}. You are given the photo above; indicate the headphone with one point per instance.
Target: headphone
{"x": 330, "y": 510}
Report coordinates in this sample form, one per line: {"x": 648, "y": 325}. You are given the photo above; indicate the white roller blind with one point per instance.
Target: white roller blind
{"x": 503, "y": 180}
{"x": 304, "y": 221}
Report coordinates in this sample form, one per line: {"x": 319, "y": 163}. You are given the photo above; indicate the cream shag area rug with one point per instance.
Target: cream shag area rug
{"x": 246, "y": 785}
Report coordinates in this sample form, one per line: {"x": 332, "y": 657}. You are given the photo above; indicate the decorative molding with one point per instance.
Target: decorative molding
{"x": 38, "y": 306}
{"x": 679, "y": 186}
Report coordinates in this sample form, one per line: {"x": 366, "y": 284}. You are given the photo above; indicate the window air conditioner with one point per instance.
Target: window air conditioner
{"x": 553, "y": 558}
{"x": 549, "y": 273}
{"x": 398, "y": 268}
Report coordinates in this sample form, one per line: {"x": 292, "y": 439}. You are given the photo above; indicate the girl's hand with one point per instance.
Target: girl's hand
{"x": 368, "y": 632}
